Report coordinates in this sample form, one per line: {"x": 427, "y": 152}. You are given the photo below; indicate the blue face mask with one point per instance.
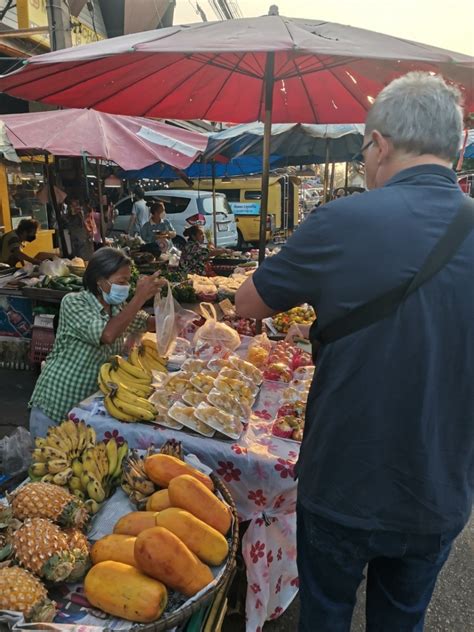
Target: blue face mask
{"x": 117, "y": 294}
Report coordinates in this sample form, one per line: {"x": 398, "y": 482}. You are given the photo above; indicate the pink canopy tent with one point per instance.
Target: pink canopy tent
{"x": 130, "y": 142}
{"x": 269, "y": 68}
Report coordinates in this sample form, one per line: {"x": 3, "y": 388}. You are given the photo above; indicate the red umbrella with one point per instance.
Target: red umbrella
{"x": 131, "y": 142}
{"x": 272, "y": 68}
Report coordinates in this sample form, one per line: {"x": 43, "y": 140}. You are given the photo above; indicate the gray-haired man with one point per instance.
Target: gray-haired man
{"x": 387, "y": 461}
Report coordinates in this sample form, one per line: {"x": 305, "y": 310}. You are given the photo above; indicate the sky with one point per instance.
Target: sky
{"x": 445, "y": 24}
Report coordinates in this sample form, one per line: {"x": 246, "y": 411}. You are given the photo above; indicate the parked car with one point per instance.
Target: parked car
{"x": 185, "y": 208}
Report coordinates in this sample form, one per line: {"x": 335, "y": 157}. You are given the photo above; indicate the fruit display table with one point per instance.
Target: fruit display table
{"x": 259, "y": 472}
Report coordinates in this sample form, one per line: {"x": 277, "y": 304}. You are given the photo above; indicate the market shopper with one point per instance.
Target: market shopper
{"x": 140, "y": 212}
{"x": 93, "y": 325}
{"x": 387, "y": 459}
{"x": 196, "y": 253}
{"x": 158, "y": 232}
{"x": 11, "y": 244}
{"x": 81, "y": 231}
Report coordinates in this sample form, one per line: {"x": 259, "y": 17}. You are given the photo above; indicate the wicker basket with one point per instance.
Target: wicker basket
{"x": 181, "y": 616}
{"x": 77, "y": 270}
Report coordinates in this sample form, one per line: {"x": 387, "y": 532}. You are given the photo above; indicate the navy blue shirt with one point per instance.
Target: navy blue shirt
{"x": 389, "y": 436}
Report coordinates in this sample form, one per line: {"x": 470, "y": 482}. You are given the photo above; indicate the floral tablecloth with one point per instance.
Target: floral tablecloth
{"x": 259, "y": 472}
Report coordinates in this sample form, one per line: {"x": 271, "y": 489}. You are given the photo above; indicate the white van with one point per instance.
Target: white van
{"x": 185, "y": 208}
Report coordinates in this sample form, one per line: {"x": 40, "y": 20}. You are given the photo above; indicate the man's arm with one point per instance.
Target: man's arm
{"x": 249, "y": 304}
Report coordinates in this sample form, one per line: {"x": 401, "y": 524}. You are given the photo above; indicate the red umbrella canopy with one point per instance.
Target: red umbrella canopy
{"x": 323, "y": 72}
{"x": 131, "y": 142}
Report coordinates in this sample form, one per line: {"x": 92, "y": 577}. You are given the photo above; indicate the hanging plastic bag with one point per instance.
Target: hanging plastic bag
{"x": 214, "y": 333}
{"x": 170, "y": 320}
{"x": 15, "y": 452}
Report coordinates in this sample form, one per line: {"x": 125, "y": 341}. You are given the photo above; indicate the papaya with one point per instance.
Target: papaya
{"x": 115, "y": 547}
{"x": 188, "y": 493}
{"x": 204, "y": 541}
{"x": 134, "y": 522}
{"x": 123, "y": 591}
{"x": 162, "y": 468}
{"x": 162, "y": 555}
{"x": 158, "y": 501}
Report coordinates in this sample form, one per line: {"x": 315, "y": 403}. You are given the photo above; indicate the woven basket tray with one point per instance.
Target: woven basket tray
{"x": 180, "y": 616}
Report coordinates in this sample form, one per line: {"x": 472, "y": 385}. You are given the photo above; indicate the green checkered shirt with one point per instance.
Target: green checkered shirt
{"x": 70, "y": 372}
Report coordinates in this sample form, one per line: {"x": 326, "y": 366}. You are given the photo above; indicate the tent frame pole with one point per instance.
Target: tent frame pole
{"x": 267, "y": 135}
{"x": 101, "y": 206}
{"x": 214, "y": 210}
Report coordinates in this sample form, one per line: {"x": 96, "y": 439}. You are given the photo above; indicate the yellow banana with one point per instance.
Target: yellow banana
{"x": 95, "y": 491}
{"x": 61, "y": 478}
{"x": 62, "y": 433}
{"x": 103, "y": 388}
{"x": 120, "y": 378}
{"x": 82, "y": 434}
{"x": 75, "y": 483}
{"x": 89, "y": 464}
{"x": 79, "y": 493}
{"x": 127, "y": 396}
{"x": 47, "y": 453}
{"x": 57, "y": 465}
{"x": 71, "y": 429}
{"x": 151, "y": 349}
{"x": 104, "y": 374}
{"x": 134, "y": 372}
{"x": 77, "y": 467}
{"x": 121, "y": 455}
{"x": 40, "y": 442}
{"x": 116, "y": 412}
{"x": 149, "y": 362}
{"x": 48, "y": 478}
{"x": 91, "y": 437}
{"x": 92, "y": 506}
{"x": 39, "y": 469}
{"x": 135, "y": 359}
{"x": 139, "y": 413}
{"x": 112, "y": 455}
{"x": 102, "y": 460}
{"x": 54, "y": 441}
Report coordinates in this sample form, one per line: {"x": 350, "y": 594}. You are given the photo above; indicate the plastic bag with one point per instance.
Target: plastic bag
{"x": 15, "y": 452}
{"x": 170, "y": 320}
{"x": 54, "y": 268}
{"x": 215, "y": 333}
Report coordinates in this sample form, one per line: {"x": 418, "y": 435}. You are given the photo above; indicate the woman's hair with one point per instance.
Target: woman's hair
{"x": 157, "y": 207}
{"x": 103, "y": 264}
{"x": 192, "y": 231}
{"x": 27, "y": 225}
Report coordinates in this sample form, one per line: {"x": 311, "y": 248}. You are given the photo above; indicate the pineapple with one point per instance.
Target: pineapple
{"x": 44, "y": 500}
{"x": 79, "y": 547}
{"x": 23, "y": 592}
{"x": 42, "y": 548}
{"x": 7, "y": 526}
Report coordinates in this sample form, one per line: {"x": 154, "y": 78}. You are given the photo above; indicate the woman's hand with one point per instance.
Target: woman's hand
{"x": 148, "y": 286}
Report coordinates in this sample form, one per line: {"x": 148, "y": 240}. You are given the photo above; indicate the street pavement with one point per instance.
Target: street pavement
{"x": 452, "y": 606}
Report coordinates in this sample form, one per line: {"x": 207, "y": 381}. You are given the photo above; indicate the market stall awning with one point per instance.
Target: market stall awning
{"x": 321, "y": 72}
{"x": 296, "y": 144}
{"x": 130, "y": 142}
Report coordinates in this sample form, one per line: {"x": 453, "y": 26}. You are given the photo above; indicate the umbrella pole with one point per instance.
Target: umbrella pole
{"x": 326, "y": 173}
{"x": 214, "y": 211}
{"x": 267, "y": 135}
{"x": 57, "y": 212}
{"x": 101, "y": 206}
{"x": 346, "y": 177}
{"x": 331, "y": 182}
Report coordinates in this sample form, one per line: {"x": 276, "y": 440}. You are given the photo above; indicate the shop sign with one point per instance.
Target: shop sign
{"x": 32, "y": 13}
{"x": 245, "y": 208}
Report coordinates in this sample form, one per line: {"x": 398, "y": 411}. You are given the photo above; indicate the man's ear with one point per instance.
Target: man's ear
{"x": 382, "y": 146}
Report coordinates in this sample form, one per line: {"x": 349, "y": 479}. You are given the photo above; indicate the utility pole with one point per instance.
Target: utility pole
{"x": 59, "y": 21}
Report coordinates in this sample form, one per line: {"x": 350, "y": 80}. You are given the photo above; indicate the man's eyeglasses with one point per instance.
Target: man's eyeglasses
{"x": 359, "y": 156}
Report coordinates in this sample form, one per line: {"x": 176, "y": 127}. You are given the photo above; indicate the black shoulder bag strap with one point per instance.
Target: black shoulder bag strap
{"x": 385, "y": 305}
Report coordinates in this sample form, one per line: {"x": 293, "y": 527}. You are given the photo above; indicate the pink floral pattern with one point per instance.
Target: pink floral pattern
{"x": 276, "y": 613}
{"x": 255, "y": 588}
{"x": 258, "y": 498}
{"x": 285, "y": 468}
{"x": 269, "y": 557}
{"x": 228, "y": 471}
{"x": 238, "y": 449}
{"x": 113, "y": 435}
{"x": 278, "y": 585}
{"x": 279, "y": 502}
{"x": 295, "y": 582}
{"x": 257, "y": 551}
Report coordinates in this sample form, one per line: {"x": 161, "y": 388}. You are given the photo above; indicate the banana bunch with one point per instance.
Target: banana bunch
{"x": 70, "y": 456}
{"x": 98, "y": 472}
{"x": 135, "y": 482}
{"x": 146, "y": 356}
{"x": 126, "y": 388}
{"x": 53, "y": 455}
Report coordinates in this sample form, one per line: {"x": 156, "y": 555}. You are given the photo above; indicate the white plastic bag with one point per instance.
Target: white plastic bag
{"x": 15, "y": 452}
{"x": 170, "y": 320}
{"x": 215, "y": 333}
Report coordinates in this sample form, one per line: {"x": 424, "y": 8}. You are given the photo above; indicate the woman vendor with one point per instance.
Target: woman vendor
{"x": 92, "y": 327}
{"x": 196, "y": 253}
{"x": 158, "y": 232}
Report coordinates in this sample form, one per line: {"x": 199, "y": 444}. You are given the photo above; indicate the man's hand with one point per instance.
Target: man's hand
{"x": 248, "y": 303}
{"x": 148, "y": 286}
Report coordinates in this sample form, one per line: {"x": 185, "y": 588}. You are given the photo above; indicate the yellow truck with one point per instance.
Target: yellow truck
{"x": 244, "y": 196}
